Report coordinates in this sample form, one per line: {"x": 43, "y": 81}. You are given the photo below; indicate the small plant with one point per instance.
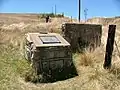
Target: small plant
{"x": 86, "y": 59}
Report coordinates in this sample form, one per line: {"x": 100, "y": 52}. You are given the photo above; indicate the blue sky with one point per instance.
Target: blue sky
{"x": 96, "y": 8}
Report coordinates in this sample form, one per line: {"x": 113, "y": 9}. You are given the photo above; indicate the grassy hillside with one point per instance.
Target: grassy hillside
{"x": 89, "y": 65}
{"x": 8, "y": 18}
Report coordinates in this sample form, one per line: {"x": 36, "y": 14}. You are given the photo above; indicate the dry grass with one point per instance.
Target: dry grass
{"x": 89, "y": 65}
{"x": 86, "y": 59}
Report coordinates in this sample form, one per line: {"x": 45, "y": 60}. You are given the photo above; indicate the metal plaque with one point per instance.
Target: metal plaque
{"x": 49, "y": 39}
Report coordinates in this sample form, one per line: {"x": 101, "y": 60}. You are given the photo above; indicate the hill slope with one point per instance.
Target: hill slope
{"x": 89, "y": 65}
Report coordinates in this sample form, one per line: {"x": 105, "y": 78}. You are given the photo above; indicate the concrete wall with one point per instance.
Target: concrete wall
{"x": 51, "y": 58}
{"x": 82, "y": 35}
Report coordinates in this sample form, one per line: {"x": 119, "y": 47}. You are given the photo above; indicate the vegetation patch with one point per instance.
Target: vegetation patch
{"x": 52, "y": 15}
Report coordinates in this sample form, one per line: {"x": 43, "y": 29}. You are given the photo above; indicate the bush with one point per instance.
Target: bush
{"x": 52, "y": 15}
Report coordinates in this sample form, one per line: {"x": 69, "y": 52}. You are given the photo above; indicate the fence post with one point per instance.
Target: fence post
{"x": 109, "y": 46}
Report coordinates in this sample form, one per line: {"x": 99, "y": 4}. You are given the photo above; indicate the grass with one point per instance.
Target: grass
{"x": 86, "y": 59}
{"x": 12, "y": 67}
{"x": 91, "y": 75}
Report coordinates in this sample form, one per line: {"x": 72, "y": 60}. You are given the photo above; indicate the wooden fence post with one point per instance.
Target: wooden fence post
{"x": 109, "y": 46}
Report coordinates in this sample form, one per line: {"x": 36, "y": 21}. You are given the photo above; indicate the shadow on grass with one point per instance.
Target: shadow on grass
{"x": 51, "y": 75}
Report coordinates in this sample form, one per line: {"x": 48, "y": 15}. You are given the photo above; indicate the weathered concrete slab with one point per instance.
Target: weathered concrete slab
{"x": 82, "y": 35}
{"x": 50, "y": 54}
{"x": 47, "y": 40}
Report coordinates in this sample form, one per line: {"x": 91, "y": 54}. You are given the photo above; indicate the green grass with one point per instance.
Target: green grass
{"x": 12, "y": 67}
